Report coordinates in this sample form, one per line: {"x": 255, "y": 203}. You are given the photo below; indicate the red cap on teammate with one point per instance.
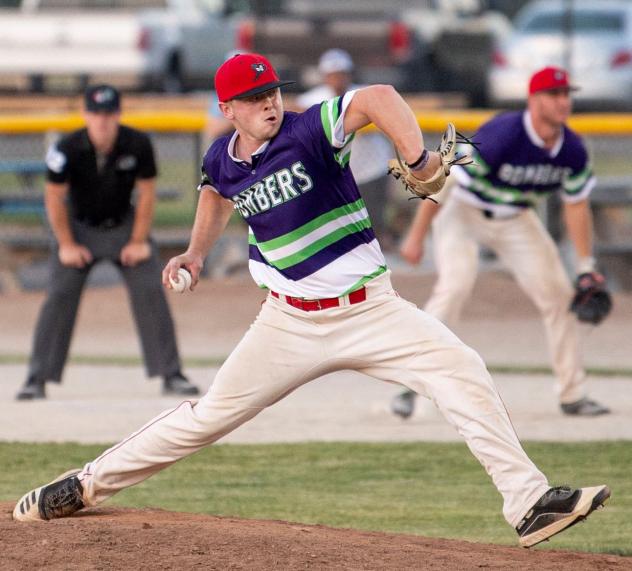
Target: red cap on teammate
{"x": 550, "y": 78}
{"x": 244, "y": 75}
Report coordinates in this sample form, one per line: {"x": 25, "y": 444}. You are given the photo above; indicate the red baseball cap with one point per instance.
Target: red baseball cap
{"x": 244, "y": 75}
{"x": 550, "y": 78}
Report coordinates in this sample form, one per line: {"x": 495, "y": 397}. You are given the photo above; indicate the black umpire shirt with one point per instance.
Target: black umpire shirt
{"x": 101, "y": 187}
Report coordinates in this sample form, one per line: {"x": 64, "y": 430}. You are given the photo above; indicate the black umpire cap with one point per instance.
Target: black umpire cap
{"x": 102, "y": 98}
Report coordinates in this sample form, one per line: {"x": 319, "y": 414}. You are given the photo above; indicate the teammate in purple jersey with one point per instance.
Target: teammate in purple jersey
{"x": 521, "y": 157}
{"x": 330, "y": 304}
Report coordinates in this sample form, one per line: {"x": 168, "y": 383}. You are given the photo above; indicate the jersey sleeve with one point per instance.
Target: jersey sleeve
{"x": 146, "y": 158}
{"x": 321, "y": 130}
{"x": 57, "y": 162}
{"x": 581, "y": 180}
{"x": 207, "y": 180}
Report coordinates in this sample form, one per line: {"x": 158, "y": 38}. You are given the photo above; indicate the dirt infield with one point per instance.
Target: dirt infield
{"x": 211, "y": 321}
{"x": 117, "y": 538}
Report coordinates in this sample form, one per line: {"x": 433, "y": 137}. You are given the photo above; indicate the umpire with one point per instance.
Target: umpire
{"x": 92, "y": 173}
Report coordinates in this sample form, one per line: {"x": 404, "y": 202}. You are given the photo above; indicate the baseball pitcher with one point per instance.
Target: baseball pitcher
{"x": 330, "y": 305}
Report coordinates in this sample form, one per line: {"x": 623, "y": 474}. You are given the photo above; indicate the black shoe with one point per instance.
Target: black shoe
{"x": 557, "y": 510}
{"x": 32, "y": 389}
{"x": 178, "y": 384}
{"x": 404, "y": 404}
{"x": 61, "y": 498}
{"x": 584, "y": 407}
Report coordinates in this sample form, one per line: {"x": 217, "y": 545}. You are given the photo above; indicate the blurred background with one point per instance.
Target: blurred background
{"x": 458, "y": 60}
{"x": 453, "y": 60}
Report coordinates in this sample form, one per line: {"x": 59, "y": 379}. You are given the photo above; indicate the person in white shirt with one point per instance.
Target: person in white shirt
{"x": 371, "y": 149}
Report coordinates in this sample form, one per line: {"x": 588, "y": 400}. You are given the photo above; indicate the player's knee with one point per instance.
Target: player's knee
{"x": 470, "y": 359}
{"x": 63, "y": 294}
{"x": 555, "y": 298}
{"x": 454, "y": 290}
{"x": 213, "y": 411}
{"x": 457, "y": 357}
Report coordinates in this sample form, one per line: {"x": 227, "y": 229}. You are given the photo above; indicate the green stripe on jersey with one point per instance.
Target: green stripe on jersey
{"x": 329, "y": 115}
{"x": 344, "y": 155}
{"x": 365, "y": 279}
{"x": 501, "y": 194}
{"x": 478, "y": 167}
{"x": 321, "y": 244}
{"x": 575, "y": 184}
{"x": 304, "y": 242}
{"x": 310, "y": 226}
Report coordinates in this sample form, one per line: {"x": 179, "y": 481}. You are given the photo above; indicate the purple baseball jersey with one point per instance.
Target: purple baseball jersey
{"x": 513, "y": 168}
{"x": 310, "y": 234}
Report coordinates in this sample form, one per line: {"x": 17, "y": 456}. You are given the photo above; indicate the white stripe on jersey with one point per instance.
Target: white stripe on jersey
{"x": 318, "y": 233}
{"x": 333, "y": 280}
{"x": 583, "y": 195}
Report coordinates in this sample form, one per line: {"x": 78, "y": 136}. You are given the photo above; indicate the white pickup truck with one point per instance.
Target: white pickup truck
{"x": 161, "y": 44}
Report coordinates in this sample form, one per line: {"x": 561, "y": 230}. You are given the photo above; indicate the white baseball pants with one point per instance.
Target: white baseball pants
{"x": 385, "y": 337}
{"x": 528, "y": 251}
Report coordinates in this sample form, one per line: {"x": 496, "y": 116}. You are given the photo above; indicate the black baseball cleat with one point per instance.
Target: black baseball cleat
{"x": 584, "y": 407}
{"x": 32, "y": 389}
{"x": 557, "y": 510}
{"x": 60, "y": 498}
{"x": 403, "y": 404}
{"x": 178, "y": 384}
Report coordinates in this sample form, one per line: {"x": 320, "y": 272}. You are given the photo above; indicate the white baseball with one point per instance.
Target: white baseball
{"x": 182, "y": 283}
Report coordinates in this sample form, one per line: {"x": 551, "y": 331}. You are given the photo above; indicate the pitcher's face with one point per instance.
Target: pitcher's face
{"x": 259, "y": 116}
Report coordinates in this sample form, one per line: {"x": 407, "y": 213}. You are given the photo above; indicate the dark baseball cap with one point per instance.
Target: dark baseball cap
{"x": 102, "y": 98}
{"x": 244, "y": 75}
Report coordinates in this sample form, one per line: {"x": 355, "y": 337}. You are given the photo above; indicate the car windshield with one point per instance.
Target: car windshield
{"x": 580, "y": 22}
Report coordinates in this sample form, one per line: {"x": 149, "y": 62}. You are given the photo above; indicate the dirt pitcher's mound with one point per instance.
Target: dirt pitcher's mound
{"x": 115, "y": 538}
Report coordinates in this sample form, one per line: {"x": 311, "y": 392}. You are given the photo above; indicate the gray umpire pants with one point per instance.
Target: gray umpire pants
{"x": 57, "y": 317}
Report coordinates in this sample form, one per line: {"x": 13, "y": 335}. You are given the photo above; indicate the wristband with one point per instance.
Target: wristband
{"x": 586, "y": 265}
{"x": 421, "y": 162}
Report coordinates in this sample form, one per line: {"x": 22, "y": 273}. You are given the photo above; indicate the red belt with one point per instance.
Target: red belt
{"x": 354, "y": 297}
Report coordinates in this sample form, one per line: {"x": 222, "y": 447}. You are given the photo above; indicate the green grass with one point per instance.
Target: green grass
{"x": 430, "y": 489}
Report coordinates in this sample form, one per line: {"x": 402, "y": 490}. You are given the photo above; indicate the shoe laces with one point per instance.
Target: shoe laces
{"x": 560, "y": 491}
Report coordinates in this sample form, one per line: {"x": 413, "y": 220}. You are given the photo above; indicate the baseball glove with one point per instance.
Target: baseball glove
{"x": 447, "y": 152}
{"x": 592, "y": 302}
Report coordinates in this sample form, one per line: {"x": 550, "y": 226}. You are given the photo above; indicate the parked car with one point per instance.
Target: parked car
{"x": 161, "y": 44}
{"x": 461, "y": 35}
{"x": 593, "y": 40}
{"x": 294, "y": 33}
{"x": 425, "y": 45}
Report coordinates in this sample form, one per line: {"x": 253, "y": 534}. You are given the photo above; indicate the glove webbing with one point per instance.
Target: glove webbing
{"x": 461, "y": 160}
